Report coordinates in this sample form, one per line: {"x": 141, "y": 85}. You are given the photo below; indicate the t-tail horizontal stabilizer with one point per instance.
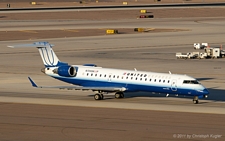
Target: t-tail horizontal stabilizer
{"x": 35, "y": 44}
{"x": 48, "y": 56}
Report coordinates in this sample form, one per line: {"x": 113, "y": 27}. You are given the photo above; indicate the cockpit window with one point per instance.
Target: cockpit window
{"x": 191, "y": 82}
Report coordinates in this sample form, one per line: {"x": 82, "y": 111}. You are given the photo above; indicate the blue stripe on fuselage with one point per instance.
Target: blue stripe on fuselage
{"x": 129, "y": 87}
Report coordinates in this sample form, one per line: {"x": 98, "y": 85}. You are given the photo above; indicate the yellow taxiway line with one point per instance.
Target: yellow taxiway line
{"x": 70, "y": 30}
{"x": 29, "y": 31}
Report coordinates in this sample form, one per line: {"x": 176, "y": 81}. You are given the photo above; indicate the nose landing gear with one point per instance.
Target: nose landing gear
{"x": 195, "y": 100}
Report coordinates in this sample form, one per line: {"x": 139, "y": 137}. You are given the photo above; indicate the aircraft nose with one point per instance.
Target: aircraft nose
{"x": 205, "y": 92}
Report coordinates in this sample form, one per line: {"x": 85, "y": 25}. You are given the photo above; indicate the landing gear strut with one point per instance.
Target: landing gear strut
{"x": 119, "y": 95}
{"x": 195, "y": 100}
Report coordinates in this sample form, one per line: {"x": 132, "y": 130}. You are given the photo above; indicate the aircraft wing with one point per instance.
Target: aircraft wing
{"x": 73, "y": 87}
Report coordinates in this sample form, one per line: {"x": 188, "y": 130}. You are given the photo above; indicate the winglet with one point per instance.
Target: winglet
{"x": 32, "y": 82}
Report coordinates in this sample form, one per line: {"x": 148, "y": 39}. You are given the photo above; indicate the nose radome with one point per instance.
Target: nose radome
{"x": 205, "y": 91}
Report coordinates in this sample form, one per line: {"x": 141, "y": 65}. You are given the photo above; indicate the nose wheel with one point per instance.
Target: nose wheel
{"x": 195, "y": 100}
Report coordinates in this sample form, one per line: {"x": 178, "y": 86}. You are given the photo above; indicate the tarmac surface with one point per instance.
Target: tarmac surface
{"x": 41, "y": 122}
{"x": 28, "y": 114}
{"x": 64, "y": 3}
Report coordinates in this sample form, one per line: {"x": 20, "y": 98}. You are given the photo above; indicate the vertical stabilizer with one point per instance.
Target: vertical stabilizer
{"x": 47, "y": 54}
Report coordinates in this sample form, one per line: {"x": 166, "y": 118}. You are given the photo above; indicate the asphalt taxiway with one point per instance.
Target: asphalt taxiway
{"x": 26, "y": 112}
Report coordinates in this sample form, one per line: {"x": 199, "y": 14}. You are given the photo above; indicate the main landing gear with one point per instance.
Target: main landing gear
{"x": 100, "y": 96}
{"x": 119, "y": 95}
{"x": 195, "y": 100}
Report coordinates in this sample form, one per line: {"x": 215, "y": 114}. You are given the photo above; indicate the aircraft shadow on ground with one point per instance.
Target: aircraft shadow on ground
{"x": 214, "y": 94}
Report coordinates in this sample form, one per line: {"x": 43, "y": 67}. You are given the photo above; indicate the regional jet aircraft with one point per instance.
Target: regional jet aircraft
{"x": 107, "y": 80}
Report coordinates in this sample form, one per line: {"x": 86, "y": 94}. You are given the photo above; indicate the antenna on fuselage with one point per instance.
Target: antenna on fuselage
{"x": 135, "y": 69}
{"x": 170, "y": 72}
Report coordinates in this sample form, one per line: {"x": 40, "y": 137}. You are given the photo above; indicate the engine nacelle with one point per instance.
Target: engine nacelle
{"x": 66, "y": 71}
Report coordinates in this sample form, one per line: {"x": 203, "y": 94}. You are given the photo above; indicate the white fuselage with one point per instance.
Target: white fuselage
{"x": 132, "y": 80}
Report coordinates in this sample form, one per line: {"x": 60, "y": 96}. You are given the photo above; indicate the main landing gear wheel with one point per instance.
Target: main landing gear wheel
{"x": 195, "y": 100}
{"x": 119, "y": 95}
{"x": 98, "y": 96}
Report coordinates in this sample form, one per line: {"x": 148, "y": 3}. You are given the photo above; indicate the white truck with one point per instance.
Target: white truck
{"x": 200, "y": 46}
{"x": 213, "y": 52}
{"x": 210, "y": 52}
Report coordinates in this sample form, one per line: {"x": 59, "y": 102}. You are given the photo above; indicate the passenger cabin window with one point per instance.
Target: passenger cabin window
{"x": 190, "y": 82}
